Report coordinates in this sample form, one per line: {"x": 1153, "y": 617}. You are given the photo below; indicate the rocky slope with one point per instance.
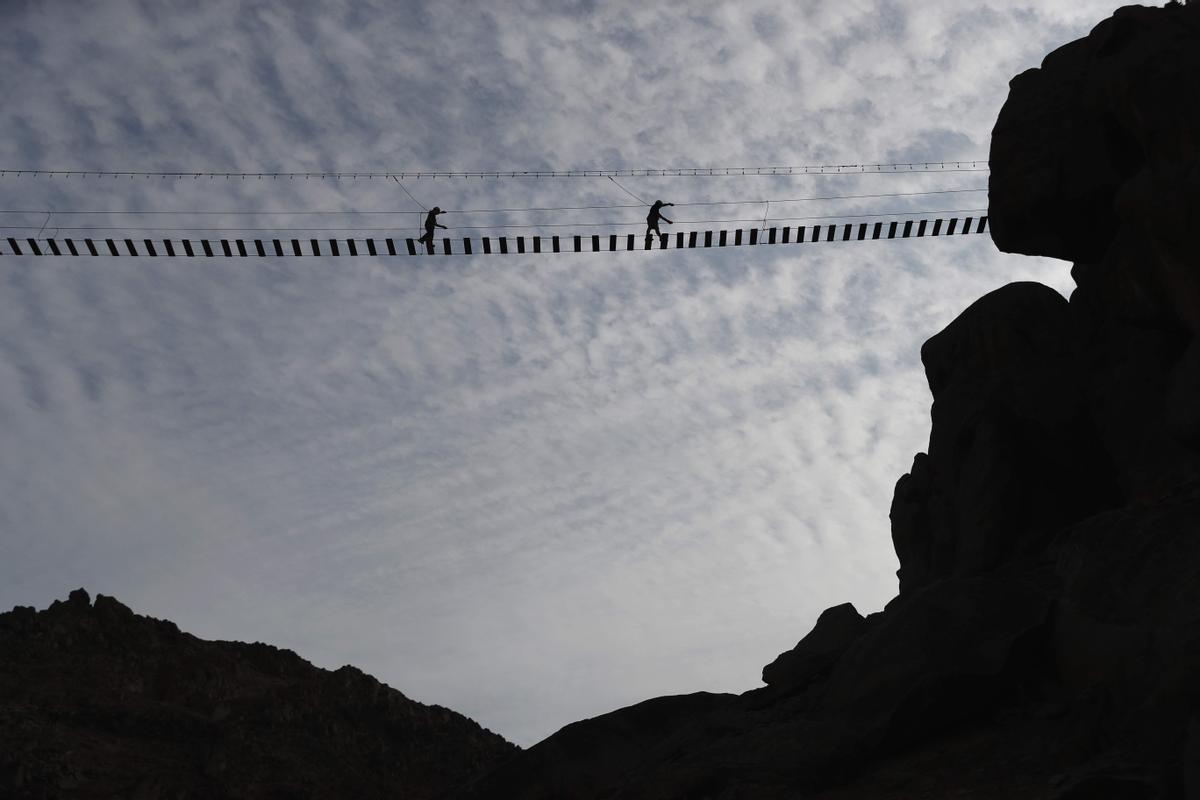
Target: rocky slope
{"x": 1046, "y": 639}
{"x": 98, "y": 702}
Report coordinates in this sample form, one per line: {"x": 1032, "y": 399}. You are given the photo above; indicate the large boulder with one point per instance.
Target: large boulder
{"x": 1013, "y": 455}
{"x": 1096, "y": 159}
{"x": 837, "y": 628}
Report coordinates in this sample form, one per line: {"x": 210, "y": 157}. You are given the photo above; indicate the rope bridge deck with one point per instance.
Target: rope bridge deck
{"x": 501, "y": 245}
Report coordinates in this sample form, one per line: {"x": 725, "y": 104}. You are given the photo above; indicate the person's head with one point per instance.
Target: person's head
{"x": 436, "y": 210}
{"x": 658, "y": 204}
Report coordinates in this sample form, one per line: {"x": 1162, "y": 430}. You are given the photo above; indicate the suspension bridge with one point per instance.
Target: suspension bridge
{"x": 56, "y": 233}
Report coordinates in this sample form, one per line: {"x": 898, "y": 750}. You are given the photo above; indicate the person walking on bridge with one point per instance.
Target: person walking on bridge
{"x": 431, "y": 223}
{"x": 655, "y": 215}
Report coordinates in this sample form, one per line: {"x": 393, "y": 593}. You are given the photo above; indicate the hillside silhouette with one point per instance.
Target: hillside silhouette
{"x": 99, "y": 702}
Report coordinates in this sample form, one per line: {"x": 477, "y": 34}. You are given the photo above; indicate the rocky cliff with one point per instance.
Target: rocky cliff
{"x": 1046, "y": 639}
{"x": 98, "y": 702}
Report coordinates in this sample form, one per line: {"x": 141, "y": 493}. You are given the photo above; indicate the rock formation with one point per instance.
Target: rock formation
{"x": 98, "y": 702}
{"x": 1046, "y": 639}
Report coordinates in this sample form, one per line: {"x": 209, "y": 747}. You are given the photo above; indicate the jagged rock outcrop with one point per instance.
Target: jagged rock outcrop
{"x": 837, "y": 628}
{"x": 99, "y": 702}
{"x": 1096, "y": 160}
{"x": 1013, "y": 455}
{"x": 1046, "y": 639}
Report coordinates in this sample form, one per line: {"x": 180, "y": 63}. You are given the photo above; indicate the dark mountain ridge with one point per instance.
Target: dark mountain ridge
{"x": 99, "y": 702}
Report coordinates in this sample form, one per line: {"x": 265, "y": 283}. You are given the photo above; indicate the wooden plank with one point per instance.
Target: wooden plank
{"x": 953, "y": 225}
{"x": 612, "y": 243}
{"x": 721, "y": 239}
{"x": 149, "y": 247}
{"x": 487, "y": 245}
{"x": 983, "y": 222}
{"x": 352, "y": 246}
{"x": 112, "y": 247}
{"x": 937, "y": 227}
{"x": 800, "y": 234}
{"x": 907, "y": 229}
{"x": 679, "y": 240}
{"x": 708, "y": 238}
{"x": 37, "y": 251}
{"x": 921, "y": 228}
{"x": 371, "y": 247}
{"x": 467, "y": 245}
{"x": 446, "y": 246}
{"x": 71, "y": 247}
{"x": 225, "y": 248}
{"x": 832, "y": 231}
{"x": 892, "y": 230}
{"x": 663, "y": 238}
{"x": 595, "y": 243}
{"x": 967, "y": 224}
{"x": 314, "y": 247}
{"x": 630, "y": 240}
{"x": 737, "y": 238}
{"x": 862, "y": 231}
{"x": 555, "y": 244}
{"x": 296, "y": 251}
{"x": 258, "y": 247}
{"x": 504, "y": 245}
{"x": 411, "y": 245}
{"x": 333, "y": 248}
{"x": 520, "y": 244}
{"x": 53, "y": 245}
{"x": 787, "y": 233}
{"x": 771, "y": 236}
{"x": 537, "y": 244}
{"x": 847, "y": 231}
{"x": 187, "y": 248}
{"x": 692, "y": 239}
{"x": 241, "y": 246}
{"x": 391, "y": 246}
{"x": 753, "y": 236}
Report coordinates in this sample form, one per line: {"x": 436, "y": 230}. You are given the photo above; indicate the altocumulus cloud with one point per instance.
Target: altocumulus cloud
{"x": 533, "y": 489}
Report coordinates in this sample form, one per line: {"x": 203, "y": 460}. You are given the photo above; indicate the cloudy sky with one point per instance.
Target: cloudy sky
{"x": 532, "y": 489}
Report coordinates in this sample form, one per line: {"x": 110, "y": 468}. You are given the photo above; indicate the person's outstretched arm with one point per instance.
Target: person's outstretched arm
{"x": 664, "y": 219}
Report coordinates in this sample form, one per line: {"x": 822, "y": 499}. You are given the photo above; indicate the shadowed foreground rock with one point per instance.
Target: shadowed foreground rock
{"x": 1046, "y": 639}
{"x": 98, "y": 702}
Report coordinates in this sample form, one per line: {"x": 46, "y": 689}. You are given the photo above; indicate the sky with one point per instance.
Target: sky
{"x": 534, "y": 488}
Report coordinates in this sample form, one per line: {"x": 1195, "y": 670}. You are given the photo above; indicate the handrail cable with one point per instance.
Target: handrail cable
{"x": 614, "y": 224}
{"x": 502, "y": 210}
{"x": 670, "y": 172}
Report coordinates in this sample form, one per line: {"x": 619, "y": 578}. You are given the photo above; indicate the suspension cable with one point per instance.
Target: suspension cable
{"x": 251, "y": 213}
{"x": 671, "y": 172}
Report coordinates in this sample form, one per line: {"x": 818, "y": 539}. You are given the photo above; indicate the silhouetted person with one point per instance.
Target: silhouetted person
{"x": 430, "y": 224}
{"x": 655, "y": 215}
